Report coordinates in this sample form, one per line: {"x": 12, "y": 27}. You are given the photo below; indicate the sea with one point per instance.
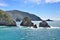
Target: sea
{"x": 27, "y": 33}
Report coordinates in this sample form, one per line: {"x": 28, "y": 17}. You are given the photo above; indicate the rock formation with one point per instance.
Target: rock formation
{"x": 49, "y": 20}
{"x": 26, "y": 22}
{"x": 35, "y": 26}
{"x": 43, "y": 24}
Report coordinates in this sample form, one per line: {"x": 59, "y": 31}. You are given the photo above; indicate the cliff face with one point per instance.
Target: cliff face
{"x": 20, "y": 15}
{"x": 6, "y": 20}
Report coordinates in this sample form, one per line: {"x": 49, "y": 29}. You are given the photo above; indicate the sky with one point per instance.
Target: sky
{"x": 45, "y": 9}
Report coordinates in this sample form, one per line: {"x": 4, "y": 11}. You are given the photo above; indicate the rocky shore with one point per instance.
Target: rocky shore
{"x": 28, "y": 23}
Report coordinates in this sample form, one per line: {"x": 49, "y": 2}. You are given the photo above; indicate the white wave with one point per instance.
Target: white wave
{"x": 39, "y": 27}
{"x": 18, "y": 25}
{"x": 55, "y": 27}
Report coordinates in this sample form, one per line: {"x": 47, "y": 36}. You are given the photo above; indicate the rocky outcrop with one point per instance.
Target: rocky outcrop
{"x": 49, "y": 20}
{"x": 43, "y": 24}
{"x": 26, "y": 22}
{"x": 35, "y": 26}
{"x": 6, "y": 20}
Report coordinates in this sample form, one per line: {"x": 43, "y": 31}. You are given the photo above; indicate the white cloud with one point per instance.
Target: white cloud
{"x": 41, "y": 1}
{"x": 37, "y": 2}
{"x": 33, "y": 1}
{"x": 3, "y": 4}
{"x": 52, "y": 1}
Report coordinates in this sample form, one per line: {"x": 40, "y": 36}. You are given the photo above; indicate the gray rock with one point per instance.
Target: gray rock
{"x": 26, "y": 22}
{"x": 43, "y": 24}
{"x": 49, "y": 20}
{"x": 35, "y": 26}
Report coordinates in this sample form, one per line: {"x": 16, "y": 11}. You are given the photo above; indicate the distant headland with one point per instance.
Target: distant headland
{"x": 19, "y": 15}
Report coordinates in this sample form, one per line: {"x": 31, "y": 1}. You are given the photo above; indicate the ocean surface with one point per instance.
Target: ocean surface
{"x": 26, "y": 33}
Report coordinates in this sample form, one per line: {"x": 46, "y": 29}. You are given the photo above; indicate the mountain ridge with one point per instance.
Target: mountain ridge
{"x": 20, "y": 14}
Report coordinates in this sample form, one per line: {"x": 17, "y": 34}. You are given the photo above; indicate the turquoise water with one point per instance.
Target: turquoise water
{"x": 22, "y": 33}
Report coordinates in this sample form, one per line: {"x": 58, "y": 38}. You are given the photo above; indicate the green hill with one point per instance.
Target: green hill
{"x": 5, "y": 19}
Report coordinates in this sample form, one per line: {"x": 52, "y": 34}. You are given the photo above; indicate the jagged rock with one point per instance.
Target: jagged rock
{"x": 35, "y": 26}
{"x": 43, "y": 24}
{"x": 26, "y": 22}
{"x": 6, "y": 20}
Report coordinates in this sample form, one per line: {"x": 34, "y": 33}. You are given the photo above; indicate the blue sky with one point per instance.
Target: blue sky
{"x": 45, "y": 9}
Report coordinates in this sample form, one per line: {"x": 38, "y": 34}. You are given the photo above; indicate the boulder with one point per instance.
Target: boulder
{"x": 35, "y": 26}
{"x": 43, "y": 24}
{"x": 26, "y": 22}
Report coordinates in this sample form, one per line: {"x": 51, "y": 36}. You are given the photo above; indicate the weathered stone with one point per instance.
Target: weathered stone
{"x": 35, "y": 26}
{"x": 26, "y": 22}
{"x": 43, "y": 24}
